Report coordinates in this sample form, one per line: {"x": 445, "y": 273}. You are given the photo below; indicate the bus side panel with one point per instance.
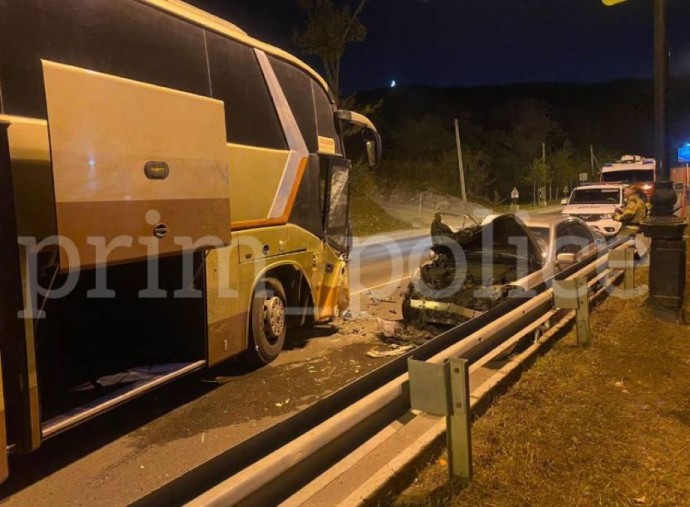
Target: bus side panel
{"x": 255, "y": 175}
{"x": 233, "y": 272}
{"x": 16, "y": 335}
{"x": 226, "y": 317}
{"x": 4, "y": 465}
{"x": 32, "y": 178}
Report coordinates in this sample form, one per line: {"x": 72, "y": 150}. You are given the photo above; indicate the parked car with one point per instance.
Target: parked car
{"x": 596, "y": 205}
{"x": 473, "y": 270}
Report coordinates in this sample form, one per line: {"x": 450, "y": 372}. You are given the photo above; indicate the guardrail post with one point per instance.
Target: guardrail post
{"x": 459, "y": 431}
{"x": 624, "y": 259}
{"x": 444, "y": 390}
{"x": 574, "y": 294}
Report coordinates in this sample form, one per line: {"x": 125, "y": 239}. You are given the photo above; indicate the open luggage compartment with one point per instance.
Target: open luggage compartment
{"x": 95, "y": 353}
{"x": 140, "y": 183}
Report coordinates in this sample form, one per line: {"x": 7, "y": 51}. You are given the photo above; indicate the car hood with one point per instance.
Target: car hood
{"x": 589, "y": 209}
{"x": 505, "y": 231}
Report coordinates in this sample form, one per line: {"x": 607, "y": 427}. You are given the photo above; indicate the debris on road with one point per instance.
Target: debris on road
{"x": 393, "y": 351}
{"x": 390, "y": 328}
{"x": 377, "y": 301}
{"x": 396, "y": 331}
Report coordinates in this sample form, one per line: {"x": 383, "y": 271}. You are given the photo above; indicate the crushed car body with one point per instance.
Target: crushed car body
{"x": 472, "y": 270}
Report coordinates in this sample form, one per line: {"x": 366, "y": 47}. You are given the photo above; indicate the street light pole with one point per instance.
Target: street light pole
{"x": 667, "y": 254}
{"x": 661, "y": 58}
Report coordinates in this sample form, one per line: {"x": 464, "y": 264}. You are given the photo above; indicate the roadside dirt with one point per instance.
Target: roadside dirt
{"x": 605, "y": 425}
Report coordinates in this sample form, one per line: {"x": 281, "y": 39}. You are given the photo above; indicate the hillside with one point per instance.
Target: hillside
{"x": 617, "y": 115}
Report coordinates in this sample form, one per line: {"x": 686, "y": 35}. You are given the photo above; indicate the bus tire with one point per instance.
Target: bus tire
{"x": 268, "y": 323}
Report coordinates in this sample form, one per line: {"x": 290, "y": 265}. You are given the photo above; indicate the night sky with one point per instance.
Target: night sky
{"x": 474, "y": 42}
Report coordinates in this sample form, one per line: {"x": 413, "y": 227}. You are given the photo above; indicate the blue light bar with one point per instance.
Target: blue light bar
{"x": 684, "y": 154}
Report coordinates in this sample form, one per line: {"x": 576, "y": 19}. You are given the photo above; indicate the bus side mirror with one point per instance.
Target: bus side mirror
{"x": 372, "y": 139}
{"x": 372, "y": 144}
{"x": 564, "y": 202}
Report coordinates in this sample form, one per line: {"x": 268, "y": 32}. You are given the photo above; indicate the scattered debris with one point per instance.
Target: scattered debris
{"x": 390, "y": 328}
{"x": 131, "y": 376}
{"x": 377, "y": 301}
{"x": 397, "y": 351}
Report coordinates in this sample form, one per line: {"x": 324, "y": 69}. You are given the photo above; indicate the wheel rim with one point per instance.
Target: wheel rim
{"x": 274, "y": 317}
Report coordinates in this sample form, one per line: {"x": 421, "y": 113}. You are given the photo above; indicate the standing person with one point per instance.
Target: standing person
{"x": 439, "y": 230}
{"x": 632, "y": 215}
{"x": 514, "y": 196}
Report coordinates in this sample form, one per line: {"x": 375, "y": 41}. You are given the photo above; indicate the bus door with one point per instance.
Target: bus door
{"x": 136, "y": 163}
{"x": 336, "y": 177}
{"x": 141, "y": 185}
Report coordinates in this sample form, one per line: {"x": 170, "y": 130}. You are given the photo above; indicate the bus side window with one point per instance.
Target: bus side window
{"x": 236, "y": 79}
{"x": 297, "y": 88}
{"x": 325, "y": 121}
{"x": 118, "y": 37}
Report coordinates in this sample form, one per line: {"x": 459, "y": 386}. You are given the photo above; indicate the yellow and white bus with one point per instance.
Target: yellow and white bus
{"x": 173, "y": 193}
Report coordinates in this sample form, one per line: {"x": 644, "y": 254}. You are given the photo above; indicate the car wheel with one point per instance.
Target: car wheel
{"x": 268, "y": 324}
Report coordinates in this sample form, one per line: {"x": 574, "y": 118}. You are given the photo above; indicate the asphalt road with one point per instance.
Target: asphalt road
{"x": 128, "y": 452}
{"x": 382, "y": 262}
{"x": 124, "y": 454}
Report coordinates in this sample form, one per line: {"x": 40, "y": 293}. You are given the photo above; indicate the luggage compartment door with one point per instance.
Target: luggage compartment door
{"x": 136, "y": 167}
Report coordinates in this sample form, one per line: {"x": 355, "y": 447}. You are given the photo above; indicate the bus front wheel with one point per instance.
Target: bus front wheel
{"x": 268, "y": 323}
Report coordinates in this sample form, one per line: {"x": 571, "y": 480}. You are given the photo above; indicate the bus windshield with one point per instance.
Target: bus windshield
{"x": 629, "y": 175}
{"x": 596, "y": 196}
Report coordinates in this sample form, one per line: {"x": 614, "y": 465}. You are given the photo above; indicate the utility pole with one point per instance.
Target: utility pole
{"x": 463, "y": 194}
{"x": 543, "y": 161}
{"x": 591, "y": 160}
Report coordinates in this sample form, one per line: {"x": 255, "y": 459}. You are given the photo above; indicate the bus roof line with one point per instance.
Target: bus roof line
{"x": 206, "y": 20}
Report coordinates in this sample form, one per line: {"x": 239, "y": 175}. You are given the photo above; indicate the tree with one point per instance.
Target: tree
{"x": 477, "y": 173}
{"x": 327, "y": 33}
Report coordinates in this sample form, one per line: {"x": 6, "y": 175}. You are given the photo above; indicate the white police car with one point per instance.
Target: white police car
{"x": 596, "y": 205}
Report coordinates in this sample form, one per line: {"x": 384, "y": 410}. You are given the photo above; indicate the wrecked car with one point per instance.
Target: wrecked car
{"x": 472, "y": 270}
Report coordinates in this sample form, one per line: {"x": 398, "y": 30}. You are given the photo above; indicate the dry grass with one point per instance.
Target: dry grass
{"x": 605, "y": 425}
{"x": 369, "y": 218}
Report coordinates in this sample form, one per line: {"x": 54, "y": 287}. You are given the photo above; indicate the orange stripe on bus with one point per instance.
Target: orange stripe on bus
{"x": 265, "y": 222}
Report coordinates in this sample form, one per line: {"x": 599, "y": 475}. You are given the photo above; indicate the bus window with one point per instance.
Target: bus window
{"x": 297, "y": 88}
{"x": 119, "y": 37}
{"x": 325, "y": 121}
{"x": 236, "y": 79}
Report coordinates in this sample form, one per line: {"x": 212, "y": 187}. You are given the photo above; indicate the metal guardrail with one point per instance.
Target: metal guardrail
{"x": 269, "y": 466}
{"x": 444, "y": 389}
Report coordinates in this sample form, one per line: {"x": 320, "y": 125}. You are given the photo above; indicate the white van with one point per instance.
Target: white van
{"x": 596, "y": 204}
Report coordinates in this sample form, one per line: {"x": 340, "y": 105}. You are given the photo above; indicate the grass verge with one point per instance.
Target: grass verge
{"x": 369, "y": 218}
{"x": 608, "y": 424}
